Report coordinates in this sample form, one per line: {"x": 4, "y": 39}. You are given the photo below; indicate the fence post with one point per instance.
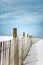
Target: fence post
{"x": 20, "y": 52}
{"x": 4, "y": 60}
{"x": 2, "y": 54}
{"x": 16, "y": 56}
{"x": 27, "y": 43}
{"x": 23, "y": 45}
{"x": 30, "y": 37}
{"x": 9, "y": 52}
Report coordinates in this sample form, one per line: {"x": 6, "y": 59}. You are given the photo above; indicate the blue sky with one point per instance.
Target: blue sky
{"x": 26, "y": 15}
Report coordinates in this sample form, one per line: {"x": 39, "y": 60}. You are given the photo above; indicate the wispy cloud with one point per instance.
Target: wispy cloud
{"x": 21, "y": 10}
{"x": 26, "y": 15}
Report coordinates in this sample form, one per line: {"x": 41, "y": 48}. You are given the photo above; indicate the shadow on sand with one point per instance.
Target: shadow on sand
{"x": 32, "y": 57}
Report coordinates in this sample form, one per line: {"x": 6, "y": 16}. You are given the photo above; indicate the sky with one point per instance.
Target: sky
{"x": 25, "y": 15}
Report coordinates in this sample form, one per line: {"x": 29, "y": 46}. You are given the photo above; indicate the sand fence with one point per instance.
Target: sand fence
{"x": 14, "y": 51}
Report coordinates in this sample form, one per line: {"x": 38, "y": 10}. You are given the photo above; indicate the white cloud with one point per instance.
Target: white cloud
{"x": 22, "y": 13}
{"x": 24, "y": 18}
